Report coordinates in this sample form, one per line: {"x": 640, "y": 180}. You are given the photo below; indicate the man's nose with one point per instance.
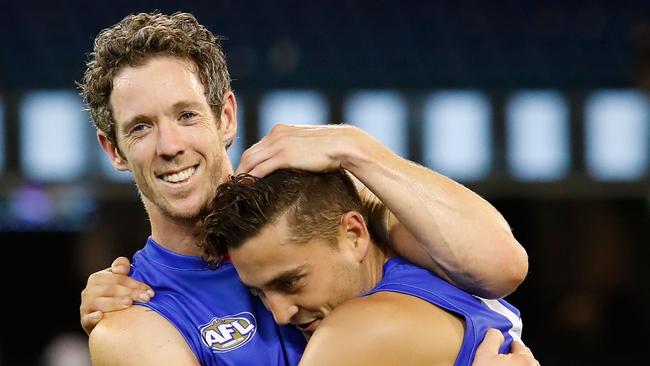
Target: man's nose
{"x": 282, "y": 308}
{"x": 170, "y": 139}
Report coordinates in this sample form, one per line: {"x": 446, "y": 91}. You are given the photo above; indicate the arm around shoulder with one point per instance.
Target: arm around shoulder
{"x": 385, "y": 329}
{"x": 138, "y": 336}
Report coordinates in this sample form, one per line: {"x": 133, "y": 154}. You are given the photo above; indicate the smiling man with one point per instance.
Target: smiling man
{"x": 159, "y": 92}
{"x": 300, "y": 242}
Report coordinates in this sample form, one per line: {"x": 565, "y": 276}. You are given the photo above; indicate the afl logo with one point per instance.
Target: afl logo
{"x": 229, "y": 332}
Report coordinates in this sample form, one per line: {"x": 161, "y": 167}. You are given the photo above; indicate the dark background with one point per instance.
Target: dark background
{"x": 585, "y": 301}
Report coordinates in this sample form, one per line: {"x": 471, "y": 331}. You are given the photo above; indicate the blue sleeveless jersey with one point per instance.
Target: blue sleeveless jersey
{"x": 480, "y": 314}
{"x": 221, "y": 321}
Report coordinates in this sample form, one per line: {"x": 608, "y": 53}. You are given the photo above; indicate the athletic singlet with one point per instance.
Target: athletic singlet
{"x": 480, "y": 314}
{"x": 221, "y": 321}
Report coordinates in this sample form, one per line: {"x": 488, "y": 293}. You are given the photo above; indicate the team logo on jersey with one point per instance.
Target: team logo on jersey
{"x": 229, "y": 332}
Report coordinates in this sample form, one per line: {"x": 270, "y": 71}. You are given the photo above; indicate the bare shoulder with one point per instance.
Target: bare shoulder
{"x": 138, "y": 336}
{"x": 386, "y": 328}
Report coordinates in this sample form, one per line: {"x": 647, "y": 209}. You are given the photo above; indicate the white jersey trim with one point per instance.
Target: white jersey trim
{"x": 517, "y": 325}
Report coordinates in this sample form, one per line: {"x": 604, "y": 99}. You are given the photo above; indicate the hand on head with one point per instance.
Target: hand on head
{"x": 310, "y": 148}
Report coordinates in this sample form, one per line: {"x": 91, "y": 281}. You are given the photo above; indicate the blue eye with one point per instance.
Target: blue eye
{"x": 140, "y": 127}
{"x": 188, "y": 115}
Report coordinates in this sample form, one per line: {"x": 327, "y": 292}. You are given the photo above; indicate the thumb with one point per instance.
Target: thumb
{"x": 121, "y": 266}
{"x": 491, "y": 343}
{"x": 89, "y": 321}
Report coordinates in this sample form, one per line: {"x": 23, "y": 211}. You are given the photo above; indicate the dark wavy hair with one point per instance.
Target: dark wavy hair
{"x": 313, "y": 204}
{"x": 134, "y": 40}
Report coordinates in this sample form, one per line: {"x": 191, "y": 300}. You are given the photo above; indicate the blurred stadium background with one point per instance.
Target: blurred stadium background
{"x": 540, "y": 107}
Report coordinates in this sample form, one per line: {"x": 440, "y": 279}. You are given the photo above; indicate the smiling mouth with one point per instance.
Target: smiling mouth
{"x": 179, "y": 177}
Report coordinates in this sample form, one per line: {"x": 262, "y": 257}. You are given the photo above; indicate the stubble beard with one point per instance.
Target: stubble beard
{"x": 166, "y": 207}
{"x": 349, "y": 283}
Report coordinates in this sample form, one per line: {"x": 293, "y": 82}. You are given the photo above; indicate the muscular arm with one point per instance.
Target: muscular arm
{"x": 385, "y": 329}
{"x": 434, "y": 220}
{"x": 138, "y": 336}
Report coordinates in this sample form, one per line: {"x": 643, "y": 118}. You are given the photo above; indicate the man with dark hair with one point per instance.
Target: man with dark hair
{"x": 159, "y": 93}
{"x": 300, "y": 242}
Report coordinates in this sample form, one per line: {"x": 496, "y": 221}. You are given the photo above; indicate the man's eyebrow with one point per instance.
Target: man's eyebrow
{"x": 134, "y": 120}
{"x": 185, "y": 104}
{"x": 294, "y": 272}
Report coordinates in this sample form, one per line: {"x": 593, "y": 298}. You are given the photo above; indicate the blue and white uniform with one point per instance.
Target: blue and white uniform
{"x": 401, "y": 276}
{"x": 221, "y": 321}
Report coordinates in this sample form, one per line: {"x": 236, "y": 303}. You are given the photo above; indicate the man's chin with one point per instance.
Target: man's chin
{"x": 187, "y": 213}
{"x": 191, "y": 207}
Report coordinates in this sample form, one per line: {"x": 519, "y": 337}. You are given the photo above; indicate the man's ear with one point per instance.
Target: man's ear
{"x": 118, "y": 162}
{"x": 228, "y": 126}
{"x": 355, "y": 235}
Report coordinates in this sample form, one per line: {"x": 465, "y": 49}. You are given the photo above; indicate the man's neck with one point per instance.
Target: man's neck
{"x": 374, "y": 265}
{"x": 176, "y": 235}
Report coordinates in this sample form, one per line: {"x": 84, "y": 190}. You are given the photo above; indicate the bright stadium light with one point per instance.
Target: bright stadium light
{"x": 301, "y": 107}
{"x": 52, "y": 138}
{"x": 457, "y": 134}
{"x": 616, "y": 135}
{"x": 537, "y": 130}
{"x": 383, "y": 114}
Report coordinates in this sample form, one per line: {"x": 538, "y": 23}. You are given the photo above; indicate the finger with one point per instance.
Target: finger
{"x": 100, "y": 282}
{"x": 135, "y": 285}
{"x": 108, "y": 304}
{"x": 121, "y": 266}
{"x": 246, "y": 157}
{"x": 109, "y": 285}
{"x": 269, "y": 166}
{"x": 255, "y": 155}
{"x": 89, "y": 321}
{"x": 491, "y": 343}
{"x": 116, "y": 290}
{"x": 113, "y": 302}
{"x": 519, "y": 347}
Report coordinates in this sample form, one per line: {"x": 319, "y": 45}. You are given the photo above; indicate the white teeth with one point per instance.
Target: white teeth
{"x": 180, "y": 176}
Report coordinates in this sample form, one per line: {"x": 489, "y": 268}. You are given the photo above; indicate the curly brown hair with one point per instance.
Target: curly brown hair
{"x": 134, "y": 40}
{"x": 313, "y": 203}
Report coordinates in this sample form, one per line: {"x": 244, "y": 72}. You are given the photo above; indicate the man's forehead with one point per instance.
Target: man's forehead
{"x": 161, "y": 83}
{"x": 157, "y": 72}
{"x": 268, "y": 253}
{"x": 156, "y": 61}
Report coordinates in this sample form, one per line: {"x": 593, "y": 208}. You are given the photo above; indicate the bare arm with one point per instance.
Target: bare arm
{"x": 138, "y": 336}
{"x": 385, "y": 329}
{"x": 455, "y": 232}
